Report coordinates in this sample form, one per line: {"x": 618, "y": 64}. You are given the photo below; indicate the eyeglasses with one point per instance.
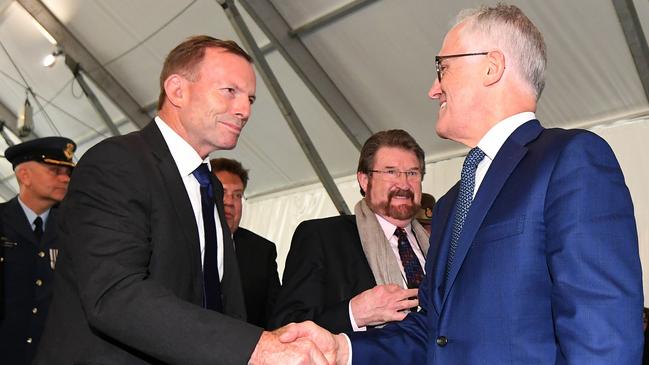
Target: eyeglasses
{"x": 439, "y": 59}
{"x": 394, "y": 175}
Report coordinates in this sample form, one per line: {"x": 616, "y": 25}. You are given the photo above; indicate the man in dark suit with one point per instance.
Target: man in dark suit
{"x": 147, "y": 272}
{"x": 530, "y": 265}
{"x": 349, "y": 272}
{"x": 256, "y": 255}
{"x": 42, "y": 167}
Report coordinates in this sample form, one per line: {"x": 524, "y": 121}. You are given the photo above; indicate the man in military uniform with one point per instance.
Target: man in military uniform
{"x": 42, "y": 167}
{"x": 425, "y": 213}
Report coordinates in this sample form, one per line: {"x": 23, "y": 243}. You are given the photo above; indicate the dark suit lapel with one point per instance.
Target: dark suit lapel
{"x": 441, "y": 218}
{"x": 233, "y": 300}
{"x": 49, "y": 235}
{"x": 175, "y": 190}
{"x": 16, "y": 223}
{"x": 508, "y": 157}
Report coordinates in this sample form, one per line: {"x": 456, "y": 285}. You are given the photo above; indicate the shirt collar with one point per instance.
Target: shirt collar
{"x": 31, "y": 215}
{"x": 389, "y": 228}
{"x": 492, "y": 141}
{"x": 185, "y": 156}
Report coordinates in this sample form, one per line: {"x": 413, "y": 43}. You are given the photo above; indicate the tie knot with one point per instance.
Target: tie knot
{"x": 473, "y": 158}
{"x": 202, "y": 174}
{"x": 400, "y": 233}
{"x": 38, "y": 223}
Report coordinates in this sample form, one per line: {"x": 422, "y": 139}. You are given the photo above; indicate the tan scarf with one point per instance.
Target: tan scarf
{"x": 378, "y": 252}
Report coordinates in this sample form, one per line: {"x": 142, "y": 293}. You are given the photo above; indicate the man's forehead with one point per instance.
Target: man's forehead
{"x": 395, "y": 156}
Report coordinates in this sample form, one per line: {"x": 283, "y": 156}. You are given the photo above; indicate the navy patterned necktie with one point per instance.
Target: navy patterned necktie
{"x": 38, "y": 228}
{"x": 212, "y": 284}
{"x": 463, "y": 202}
{"x": 411, "y": 265}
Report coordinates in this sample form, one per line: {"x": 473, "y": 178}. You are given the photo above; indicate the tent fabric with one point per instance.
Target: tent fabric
{"x": 380, "y": 58}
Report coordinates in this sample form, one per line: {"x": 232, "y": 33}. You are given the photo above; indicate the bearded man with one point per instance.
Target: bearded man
{"x": 353, "y": 272}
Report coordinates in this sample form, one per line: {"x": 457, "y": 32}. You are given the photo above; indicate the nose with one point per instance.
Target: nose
{"x": 64, "y": 178}
{"x": 228, "y": 200}
{"x": 435, "y": 90}
{"x": 241, "y": 108}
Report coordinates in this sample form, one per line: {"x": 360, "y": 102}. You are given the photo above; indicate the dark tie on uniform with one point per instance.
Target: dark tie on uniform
{"x": 211, "y": 280}
{"x": 411, "y": 265}
{"x": 38, "y": 228}
{"x": 463, "y": 202}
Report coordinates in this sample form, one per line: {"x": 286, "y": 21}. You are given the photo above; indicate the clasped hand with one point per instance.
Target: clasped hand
{"x": 300, "y": 343}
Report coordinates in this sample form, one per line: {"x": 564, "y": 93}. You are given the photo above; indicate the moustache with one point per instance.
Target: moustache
{"x": 401, "y": 193}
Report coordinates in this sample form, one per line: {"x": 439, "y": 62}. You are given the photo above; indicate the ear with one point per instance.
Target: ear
{"x": 495, "y": 68}
{"x": 176, "y": 89}
{"x": 363, "y": 179}
{"x": 23, "y": 175}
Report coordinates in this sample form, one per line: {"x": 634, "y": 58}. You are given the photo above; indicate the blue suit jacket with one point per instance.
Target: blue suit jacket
{"x": 546, "y": 270}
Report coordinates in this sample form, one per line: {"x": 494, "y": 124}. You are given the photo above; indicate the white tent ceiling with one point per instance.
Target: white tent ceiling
{"x": 379, "y": 55}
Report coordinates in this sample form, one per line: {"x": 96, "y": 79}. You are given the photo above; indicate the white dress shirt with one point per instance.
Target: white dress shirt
{"x": 494, "y": 139}
{"x": 187, "y": 160}
{"x": 388, "y": 229}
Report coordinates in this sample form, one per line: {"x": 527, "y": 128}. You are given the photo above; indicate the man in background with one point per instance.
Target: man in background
{"x": 425, "y": 212}
{"x": 28, "y": 228}
{"x": 255, "y": 254}
{"x": 348, "y": 273}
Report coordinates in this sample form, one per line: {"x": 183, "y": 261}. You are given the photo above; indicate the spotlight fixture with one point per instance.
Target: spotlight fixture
{"x": 25, "y": 123}
{"x": 50, "y": 59}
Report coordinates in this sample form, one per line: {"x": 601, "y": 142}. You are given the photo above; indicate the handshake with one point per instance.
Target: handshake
{"x": 300, "y": 343}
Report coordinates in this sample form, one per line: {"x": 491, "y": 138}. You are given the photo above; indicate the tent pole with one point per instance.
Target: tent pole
{"x": 284, "y": 105}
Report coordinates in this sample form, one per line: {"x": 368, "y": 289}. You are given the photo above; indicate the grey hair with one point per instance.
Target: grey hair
{"x": 507, "y": 27}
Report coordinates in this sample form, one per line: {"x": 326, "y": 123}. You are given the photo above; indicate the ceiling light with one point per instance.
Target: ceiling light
{"x": 50, "y": 59}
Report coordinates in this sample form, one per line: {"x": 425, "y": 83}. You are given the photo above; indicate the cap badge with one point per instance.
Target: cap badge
{"x": 69, "y": 151}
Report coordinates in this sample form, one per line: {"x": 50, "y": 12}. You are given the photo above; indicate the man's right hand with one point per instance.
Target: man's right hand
{"x": 382, "y": 303}
{"x": 297, "y": 350}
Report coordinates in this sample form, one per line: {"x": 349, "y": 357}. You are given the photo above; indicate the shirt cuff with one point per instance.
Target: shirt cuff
{"x": 349, "y": 348}
{"x": 355, "y": 328}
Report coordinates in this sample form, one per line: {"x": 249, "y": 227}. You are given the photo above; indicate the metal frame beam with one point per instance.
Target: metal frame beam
{"x": 330, "y": 17}
{"x": 285, "y": 106}
{"x": 308, "y": 69}
{"x": 635, "y": 39}
{"x": 76, "y": 70}
{"x": 99, "y": 75}
{"x": 8, "y": 117}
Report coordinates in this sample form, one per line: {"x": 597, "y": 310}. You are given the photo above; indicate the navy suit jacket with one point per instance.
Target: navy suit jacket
{"x": 546, "y": 270}
{"x": 24, "y": 262}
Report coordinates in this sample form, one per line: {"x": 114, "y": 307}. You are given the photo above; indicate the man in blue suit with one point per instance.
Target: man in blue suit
{"x": 534, "y": 253}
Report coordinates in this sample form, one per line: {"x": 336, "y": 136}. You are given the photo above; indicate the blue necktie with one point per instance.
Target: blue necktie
{"x": 463, "y": 202}
{"x": 411, "y": 265}
{"x": 211, "y": 282}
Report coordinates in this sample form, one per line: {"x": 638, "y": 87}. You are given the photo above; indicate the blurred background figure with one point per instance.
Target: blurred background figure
{"x": 425, "y": 212}
{"x": 42, "y": 167}
{"x": 255, "y": 254}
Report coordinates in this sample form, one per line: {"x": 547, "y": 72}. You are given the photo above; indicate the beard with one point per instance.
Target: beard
{"x": 401, "y": 212}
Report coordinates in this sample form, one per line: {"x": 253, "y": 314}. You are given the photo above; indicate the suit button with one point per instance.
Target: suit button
{"x": 29, "y": 340}
{"x": 39, "y": 282}
{"x": 34, "y": 310}
{"x": 41, "y": 254}
{"x": 441, "y": 341}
